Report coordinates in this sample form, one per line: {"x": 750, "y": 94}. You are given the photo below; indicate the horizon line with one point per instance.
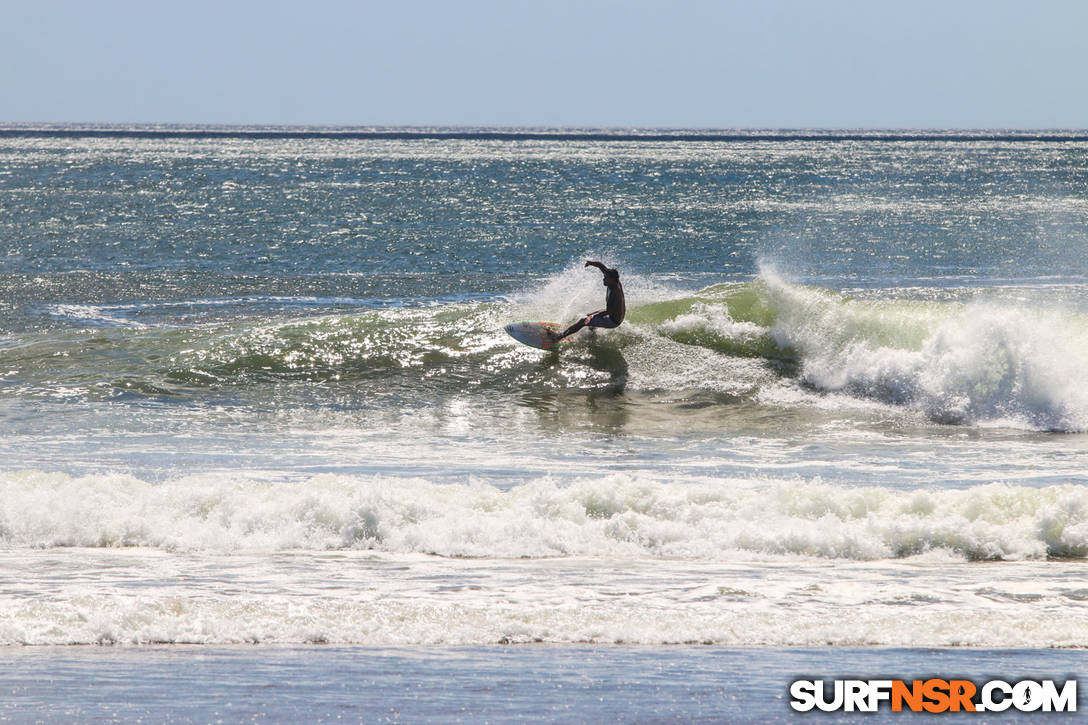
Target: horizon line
{"x": 526, "y": 133}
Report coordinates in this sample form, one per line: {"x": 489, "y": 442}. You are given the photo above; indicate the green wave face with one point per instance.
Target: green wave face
{"x": 954, "y": 357}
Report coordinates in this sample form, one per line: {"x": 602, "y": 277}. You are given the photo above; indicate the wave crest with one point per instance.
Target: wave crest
{"x": 948, "y": 355}
{"x": 972, "y": 362}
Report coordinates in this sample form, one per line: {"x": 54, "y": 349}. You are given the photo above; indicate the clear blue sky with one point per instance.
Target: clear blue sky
{"x": 685, "y": 63}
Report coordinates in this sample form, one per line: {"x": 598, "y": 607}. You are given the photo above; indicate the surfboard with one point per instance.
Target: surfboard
{"x": 535, "y": 334}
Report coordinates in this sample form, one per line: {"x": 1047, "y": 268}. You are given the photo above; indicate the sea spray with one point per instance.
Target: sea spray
{"x": 969, "y": 362}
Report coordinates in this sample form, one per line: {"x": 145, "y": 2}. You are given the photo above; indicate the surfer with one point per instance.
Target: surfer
{"x": 615, "y": 307}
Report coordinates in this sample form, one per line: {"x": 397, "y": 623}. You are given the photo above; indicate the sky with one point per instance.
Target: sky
{"x": 549, "y": 63}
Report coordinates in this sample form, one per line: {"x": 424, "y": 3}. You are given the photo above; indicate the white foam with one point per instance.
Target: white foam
{"x": 142, "y": 597}
{"x": 981, "y": 362}
{"x": 619, "y": 515}
{"x": 716, "y": 320}
{"x": 382, "y": 560}
{"x": 97, "y": 315}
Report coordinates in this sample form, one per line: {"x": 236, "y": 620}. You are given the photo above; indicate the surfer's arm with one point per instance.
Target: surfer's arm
{"x": 599, "y": 266}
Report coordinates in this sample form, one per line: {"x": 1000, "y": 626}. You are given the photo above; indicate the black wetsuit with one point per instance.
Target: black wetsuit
{"x": 615, "y": 305}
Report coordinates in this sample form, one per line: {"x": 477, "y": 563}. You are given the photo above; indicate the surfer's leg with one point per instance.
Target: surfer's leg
{"x": 570, "y": 330}
{"x": 576, "y": 326}
{"x": 601, "y": 319}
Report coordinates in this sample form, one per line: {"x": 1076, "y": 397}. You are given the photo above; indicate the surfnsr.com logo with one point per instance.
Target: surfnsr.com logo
{"x": 933, "y": 695}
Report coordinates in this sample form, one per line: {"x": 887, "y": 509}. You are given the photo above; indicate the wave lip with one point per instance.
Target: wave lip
{"x": 974, "y": 362}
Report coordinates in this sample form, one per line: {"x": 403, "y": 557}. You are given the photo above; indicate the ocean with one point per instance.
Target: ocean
{"x": 258, "y": 414}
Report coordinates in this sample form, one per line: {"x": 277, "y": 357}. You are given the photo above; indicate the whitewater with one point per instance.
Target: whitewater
{"x": 256, "y": 390}
{"x": 639, "y": 490}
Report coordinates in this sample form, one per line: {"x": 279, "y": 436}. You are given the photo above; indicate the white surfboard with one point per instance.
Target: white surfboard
{"x": 535, "y": 334}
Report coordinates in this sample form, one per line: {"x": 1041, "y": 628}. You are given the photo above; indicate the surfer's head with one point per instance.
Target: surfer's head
{"x": 611, "y": 277}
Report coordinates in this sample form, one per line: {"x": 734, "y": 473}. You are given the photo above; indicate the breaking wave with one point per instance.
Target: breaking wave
{"x": 954, "y": 357}
{"x": 616, "y": 516}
